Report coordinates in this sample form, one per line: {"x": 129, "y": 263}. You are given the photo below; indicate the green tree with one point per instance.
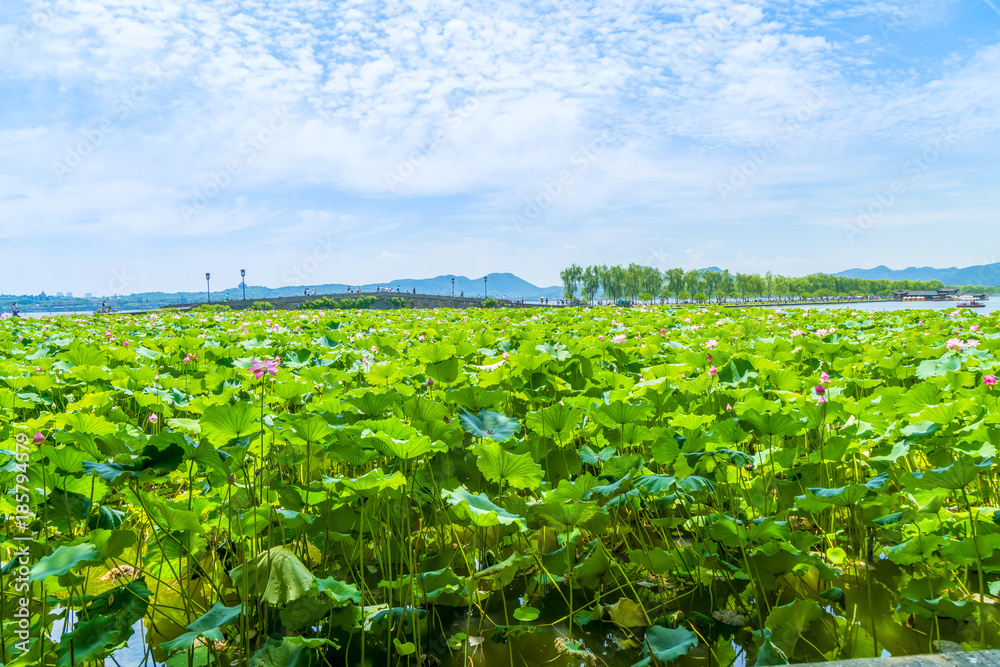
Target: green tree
{"x": 692, "y": 282}
{"x": 711, "y": 281}
{"x": 591, "y": 282}
{"x": 571, "y": 278}
{"x": 613, "y": 282}
{"x": 674, "y": 282}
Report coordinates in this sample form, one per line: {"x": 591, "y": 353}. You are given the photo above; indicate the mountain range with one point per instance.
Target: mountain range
{"x": 984, "y": 274}
{"x": 497, "y": 285}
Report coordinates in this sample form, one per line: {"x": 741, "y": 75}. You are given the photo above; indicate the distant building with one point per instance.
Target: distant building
{"x": 88, "y": 295}
{"x": 69, "y": 294}
{"x": 946, "y": 294}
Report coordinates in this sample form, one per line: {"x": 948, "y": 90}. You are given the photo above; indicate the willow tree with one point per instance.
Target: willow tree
{"x": 591, "y": 282}
{"x": 571, "y": 279}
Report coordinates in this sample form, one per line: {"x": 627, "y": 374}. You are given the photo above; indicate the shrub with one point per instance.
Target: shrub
{"x": 327, "y": 303}
{"x": 262, "y": 305}
{"x": 490, "y": 302}
{"x": 211, "y": 308}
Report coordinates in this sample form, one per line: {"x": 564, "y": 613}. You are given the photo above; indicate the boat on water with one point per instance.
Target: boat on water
{"x": 971, "y": 304}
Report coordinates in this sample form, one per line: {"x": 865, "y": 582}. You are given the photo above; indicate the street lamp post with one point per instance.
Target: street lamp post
{"x": 243, "y": 282}
{"x": 453, "y": 288}
{"x": 485, "y": 295}
{"x": 208, "y": 286}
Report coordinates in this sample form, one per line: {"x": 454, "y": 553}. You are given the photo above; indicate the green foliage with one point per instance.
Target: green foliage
{"x": 648, "y": 283}
{"x": 400, "y": 468}
{"x": 326, "y": 303}
{"x": 211, "y": 309}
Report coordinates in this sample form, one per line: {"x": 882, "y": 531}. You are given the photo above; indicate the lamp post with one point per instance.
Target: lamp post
{"x": 453, "y": 288}
{"x": 243, "y": 282}
{"x": 485, "y": 295}
{"x": 208, "y": 286}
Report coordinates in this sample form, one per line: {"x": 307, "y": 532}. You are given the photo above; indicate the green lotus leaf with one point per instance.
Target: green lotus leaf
{"x": 618, "y": 413}
{"x": 948, "y": 363}
{"x": 788, "y": 623}
{"x": 433, "y": 353}
{"x": 769, "y": 655}
{"x": 339, "y": 592}
{"x": 556, "y": 421}
{"x": 372, "y": 404}
{"x": 666, "y": 645}
{"x": 564, "y": 516}
{"x": 276, "y": 576}
{"x": 479, "y": 510}
{"x": 292, "y": 651}
{"x": 526, "y": 614}
{"x": 474, "y": 399}
{"x": 771, "y": 424}
{"x": 508, "y": 470}
{"x": 374, "y": 482}
{"x": 222, "y": 423}
{"x": 956, "y": 476}
{"x": 488, "y": 424}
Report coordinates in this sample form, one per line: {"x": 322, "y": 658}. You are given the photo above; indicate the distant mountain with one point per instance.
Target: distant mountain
{"x": 497, "y": 285}
{"x": 984, "y": 274}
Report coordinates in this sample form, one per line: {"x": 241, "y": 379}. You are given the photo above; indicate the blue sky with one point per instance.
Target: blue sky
{"x": 145, "y": 142}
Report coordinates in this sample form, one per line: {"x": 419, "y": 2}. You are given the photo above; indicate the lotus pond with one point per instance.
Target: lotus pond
{"x": 509, "y": 487}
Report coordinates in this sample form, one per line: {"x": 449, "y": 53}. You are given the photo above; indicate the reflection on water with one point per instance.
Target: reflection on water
{"x": 946, "y": 306}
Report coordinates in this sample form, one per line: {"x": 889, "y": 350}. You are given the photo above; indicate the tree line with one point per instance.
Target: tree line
{"x": 646, "y": 283}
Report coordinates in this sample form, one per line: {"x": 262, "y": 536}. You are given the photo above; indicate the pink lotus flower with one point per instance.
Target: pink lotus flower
{"x": 41, "y": 438}
{"x": 798, "y": 332}
{"x": 265, "y": 367}
{"x": 974, "y": 327}
{"x": 711, "y": 343}
{"x": 708, "y": 357}
{"x": 124, "y": 343}
{"x": 954, "y": 344}
{"x": 713, "y": 371}
{"x": 430, "y": 382}
{"x": 153, "y": 418}
{"x": 619, "y": 338}
{"x": 506, "y": 356}
{"x": 824, "y": 377}
{"x": 819, "y": 389}
{"x": 599, "y": 337}
{"x": 989, "y": 380}
{"x": 728, "y": 407}
{"x": 663, "y": 332}
{"x": 821, "y": 400}
{"x": 374, "y": 350}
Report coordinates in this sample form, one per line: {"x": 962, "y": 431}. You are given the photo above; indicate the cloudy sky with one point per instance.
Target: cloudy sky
{"x": 145, "y": 142}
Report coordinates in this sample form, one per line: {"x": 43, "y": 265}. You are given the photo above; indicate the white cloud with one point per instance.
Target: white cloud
{"x": 416, "y": 116}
